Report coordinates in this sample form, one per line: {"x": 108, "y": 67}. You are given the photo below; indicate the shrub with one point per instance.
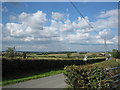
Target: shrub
{"x": 86, "y": 77}
{"x": 69, "y": 54}
{"x": 24, "y": 54}
{"x": 10, "y": 52}
{"x": 115, "y": 53}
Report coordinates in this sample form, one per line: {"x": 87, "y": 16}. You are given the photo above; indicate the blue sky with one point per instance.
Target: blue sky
{"x": 57, "y": 26}
{"x": 90, "y": 9}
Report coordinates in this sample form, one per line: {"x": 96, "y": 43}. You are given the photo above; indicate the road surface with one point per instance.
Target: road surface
{"x": 55, "y": 81}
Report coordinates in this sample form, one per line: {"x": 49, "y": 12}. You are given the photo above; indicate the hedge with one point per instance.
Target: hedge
{"x": 13, "y": 66}
{"x": 89, "y": 76}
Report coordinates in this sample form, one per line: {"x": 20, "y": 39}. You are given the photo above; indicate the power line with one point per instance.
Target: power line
{"x": 89, "y": 24}
{"x": 82, "y": 16}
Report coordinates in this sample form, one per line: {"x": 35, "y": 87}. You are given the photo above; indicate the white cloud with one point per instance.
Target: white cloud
{"x": 4, "y": 9}
{"x": 81, "y": 23}
{"x": 67, "y": 26}
{"x": 29, "y": 24}
{"x": 106, "y": 34}
{"x": 13, "y": 18}
{"x": 110, "y": 13}
{"x": 24, "y": 16}
{"x": 29, "y": 39}
{"x": 108, "y": 19}
{"x": 30, "y": 27}
{"x": 57, "y": 16}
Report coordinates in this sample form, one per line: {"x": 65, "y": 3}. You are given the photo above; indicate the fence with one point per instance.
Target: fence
{"x": 116, "y": 78}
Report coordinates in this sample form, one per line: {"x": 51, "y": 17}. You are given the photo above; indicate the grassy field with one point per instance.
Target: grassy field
{"x": 62, "y": 56}
{"x": 109, "y": 63}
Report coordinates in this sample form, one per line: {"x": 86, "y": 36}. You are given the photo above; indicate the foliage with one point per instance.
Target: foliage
{"x": 82, "y": 52}
{"x": 115, "y": 53}
{"x": 69, "y": 54}
{"x": 24, "y": 54}
{"x": 86, "y": 77}
{"x": 11, "y": 52}
{"x": 14, "y": 66}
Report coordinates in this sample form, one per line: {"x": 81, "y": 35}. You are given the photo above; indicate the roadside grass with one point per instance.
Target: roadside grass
{"x": 108, "y": 63}
{"x": 41, "y": 75}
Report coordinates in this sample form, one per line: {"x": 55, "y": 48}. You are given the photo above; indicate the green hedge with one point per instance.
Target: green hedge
{"x": 10, "y": 67}
{"x": 87, "y": 77}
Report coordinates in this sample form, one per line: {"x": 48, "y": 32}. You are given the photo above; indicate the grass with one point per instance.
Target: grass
{"x": 41, "y": 75}
{"x": 109, "y": 63}
{"x": 55, "y": 58}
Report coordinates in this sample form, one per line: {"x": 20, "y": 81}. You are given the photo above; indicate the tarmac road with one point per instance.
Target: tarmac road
{"x": 55, "y": 81}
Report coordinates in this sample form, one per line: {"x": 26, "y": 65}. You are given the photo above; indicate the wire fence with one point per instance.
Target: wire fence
{"x": 116, "y": 78}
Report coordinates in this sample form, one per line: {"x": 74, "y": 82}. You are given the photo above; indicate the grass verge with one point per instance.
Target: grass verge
{"x": 109, "y": 63}
{"x": 6, "y": 82}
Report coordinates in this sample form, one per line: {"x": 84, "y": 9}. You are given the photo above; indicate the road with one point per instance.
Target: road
{"x": 55, "y": 81}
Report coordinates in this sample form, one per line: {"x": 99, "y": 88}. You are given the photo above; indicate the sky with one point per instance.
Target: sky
{"x": 57, "y": 26}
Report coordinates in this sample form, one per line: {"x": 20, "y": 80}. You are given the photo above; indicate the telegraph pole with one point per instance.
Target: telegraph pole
{"x": 105, "y": 48}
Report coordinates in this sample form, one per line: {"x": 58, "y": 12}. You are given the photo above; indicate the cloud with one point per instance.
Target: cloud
{"x": 108, "y": 19}
{"x": 81, "y": 23}
{"x": 67, "y": 26}
{"x": 4, "y": 9}
{"x": 13, "y": 18}
{"x": 57, "y": 16}
{"x": 23, "y": 16}
{"x": 27, "y": 24}
{"x": 110, "y": 13}
{"x": 106, "y": 34}
{"x": 30, "y": 28}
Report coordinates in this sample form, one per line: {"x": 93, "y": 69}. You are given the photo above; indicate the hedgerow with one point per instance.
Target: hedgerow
{"x": 89, "y": 76}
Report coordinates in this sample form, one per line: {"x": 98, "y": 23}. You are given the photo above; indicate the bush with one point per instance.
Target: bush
{"x": 10, "y": 52}
{"x": 86, "y": 77}
{"x": 116, "y": 53}
{"x": 69, "y": 54}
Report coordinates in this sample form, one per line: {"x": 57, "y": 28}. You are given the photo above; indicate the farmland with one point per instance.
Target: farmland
{"x": 56, "y": 55}
{"x": 38, "y": 63}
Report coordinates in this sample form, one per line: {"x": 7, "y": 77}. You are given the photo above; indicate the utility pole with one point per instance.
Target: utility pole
{"x": 105, "y": 48}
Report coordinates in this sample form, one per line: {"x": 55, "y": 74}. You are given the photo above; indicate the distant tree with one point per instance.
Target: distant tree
{"x": 24, "y": 54}
{"x": 115, "y": 53}
{"x": 11, "y": 52}
{"x": 69, "y": 54}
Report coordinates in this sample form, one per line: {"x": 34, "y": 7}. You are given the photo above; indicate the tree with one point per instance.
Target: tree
{"x": 11, "y": 52}
{"x": 115, "y": 53}
{"x": 24, "y": 54}
{"x": 69, "y": 54}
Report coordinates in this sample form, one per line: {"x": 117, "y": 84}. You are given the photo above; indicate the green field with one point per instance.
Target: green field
{"x": 40, "y": 65}
{"x": 57, "y": 56}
